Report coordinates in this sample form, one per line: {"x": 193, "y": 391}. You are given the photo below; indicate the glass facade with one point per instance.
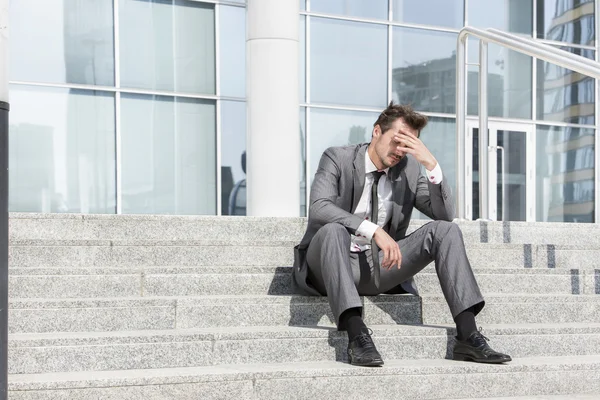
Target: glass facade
{"x": 139, "y": 106}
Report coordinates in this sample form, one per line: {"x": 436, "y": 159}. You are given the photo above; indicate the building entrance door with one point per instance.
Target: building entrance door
{"x": 510, "y": 173}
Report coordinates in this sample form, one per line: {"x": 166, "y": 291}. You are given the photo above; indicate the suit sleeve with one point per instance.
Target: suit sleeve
{"x": 324, "y": 193}
{"x": 435, "y": 200}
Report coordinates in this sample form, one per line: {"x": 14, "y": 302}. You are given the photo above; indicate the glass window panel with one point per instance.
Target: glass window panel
{"x": 233, "y": 158}
{"x": 353, "y": 8}
{"x": 424, "y": 69}
{"x": 448, "y": 13}
{"x": 348, "y": 63}
{"x": 566, "y": 21}
{"x": 62, "y": 151}
{"x": 62, "y": 41}
{"x": 168, "y": 155}
{"x": 507, "y": 15}
{"x": 302, "y": 59}
{"x": 565, "y": 174}
{"x": 440, "y": 138}
{"x": 564, "y": 95}
{"x": 233, "y": 51}
{"x": 337, "y": 128}
{"x": 303, "y": 5}
{"x": 509, "y": 82}
{"x": 168, "y": 45}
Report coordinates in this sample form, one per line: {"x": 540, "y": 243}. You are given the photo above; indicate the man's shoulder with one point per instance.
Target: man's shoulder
{"x": 343, "y": 151}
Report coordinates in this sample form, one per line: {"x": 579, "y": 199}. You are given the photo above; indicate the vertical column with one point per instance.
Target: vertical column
{"x": 461, "y": 115}
{"x": 3, "y": 198}
{"x": 484, "y": 177}
{"x": 273, "y": 143}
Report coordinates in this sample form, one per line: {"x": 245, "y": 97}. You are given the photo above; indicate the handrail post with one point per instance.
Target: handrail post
{"x": 484, "y": 184}
{"x": 461, "y": 113}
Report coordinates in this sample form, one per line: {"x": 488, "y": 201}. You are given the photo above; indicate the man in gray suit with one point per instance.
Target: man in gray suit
{"x": 361, "y": 201}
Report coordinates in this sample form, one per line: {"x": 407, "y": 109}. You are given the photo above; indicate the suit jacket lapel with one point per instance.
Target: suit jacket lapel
{"x": 358, "y": 174}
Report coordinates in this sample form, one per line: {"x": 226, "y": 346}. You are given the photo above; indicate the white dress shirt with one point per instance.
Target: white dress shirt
{"x": 362, "y": 240}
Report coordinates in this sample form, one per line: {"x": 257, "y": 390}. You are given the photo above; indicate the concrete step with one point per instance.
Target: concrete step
{"x": 515, "y": 309}
{"x": 155, "y": 313}
{"x": 258, "y": 280}
{"x": 72, "y": 352}
{"x": 115, "y": 227}
{"x": 115, "y": 253}
{"x": 548, "y": 397}
{"x": 398, "y": 379}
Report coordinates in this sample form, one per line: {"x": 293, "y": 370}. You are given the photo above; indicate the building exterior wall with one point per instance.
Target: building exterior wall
{"x": 139, "y": 106}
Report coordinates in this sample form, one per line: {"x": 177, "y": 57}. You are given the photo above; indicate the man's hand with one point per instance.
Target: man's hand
{"x": 413, "y": 145}
{"x": 391, "y": 250}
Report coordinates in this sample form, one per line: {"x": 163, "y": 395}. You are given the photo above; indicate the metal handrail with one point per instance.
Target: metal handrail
{"x": 521, "y": 45}
{"x": 545, "y": 46}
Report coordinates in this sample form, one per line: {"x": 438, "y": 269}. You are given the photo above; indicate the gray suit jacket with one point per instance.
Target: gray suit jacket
{"x": 336, "y": 191}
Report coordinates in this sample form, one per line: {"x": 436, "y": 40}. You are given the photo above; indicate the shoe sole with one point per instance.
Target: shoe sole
{"x": 376, "y": 363}
{"x": 464, "y": 357}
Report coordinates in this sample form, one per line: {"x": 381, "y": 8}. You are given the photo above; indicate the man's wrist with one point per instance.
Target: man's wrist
{"x": 430, "y": 165}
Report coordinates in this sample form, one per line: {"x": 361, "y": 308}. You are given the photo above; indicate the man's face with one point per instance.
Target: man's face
{"x": 386, "y": 148}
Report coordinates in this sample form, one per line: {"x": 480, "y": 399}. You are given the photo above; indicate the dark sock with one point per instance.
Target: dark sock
{"x": 465, "y": 323}
{"x": 352, "y": 322}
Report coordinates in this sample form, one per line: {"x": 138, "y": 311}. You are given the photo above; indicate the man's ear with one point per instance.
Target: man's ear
{"x": 376, "y": 131}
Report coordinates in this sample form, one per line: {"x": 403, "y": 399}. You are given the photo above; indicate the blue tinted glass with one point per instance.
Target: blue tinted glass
{"x": 353, "y": 8}
{"x": 348, "y": 63}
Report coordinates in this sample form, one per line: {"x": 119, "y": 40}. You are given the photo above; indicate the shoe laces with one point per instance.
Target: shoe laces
{"x": 364, "y": 339}
{"x": 479, "y": 338}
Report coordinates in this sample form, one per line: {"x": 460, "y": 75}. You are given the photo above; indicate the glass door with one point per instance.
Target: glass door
{"x": 510, "y": 173}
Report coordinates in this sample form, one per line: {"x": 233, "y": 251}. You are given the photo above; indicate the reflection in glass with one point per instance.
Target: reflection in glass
{"x": 566, "y": 21}
{"x": 348, "y": 63}
{"x": 508, "y": 15}
{"x": 337, "y": 128}
{"x": 565, "y": 174}
{"x": 168, "y": 45}
{"x": 564, "y": 95}
{"x": 440, "y": 138}
{"x": 168, "y": 155}
{"x": 233, "y": 158}
{"x": 377, "y": 9}
{"x": 62, "y": 41}
{"x": 302, "y": 59}
{"x": 509, "y": 82}
{"x": 449, "y": 13}
{"x": 424, "y": 69}
{"x": 62, "y": 151}
{"x": 232, "y": 51}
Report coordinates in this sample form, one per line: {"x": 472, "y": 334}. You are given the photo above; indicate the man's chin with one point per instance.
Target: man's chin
{"x": 393, "y": 161}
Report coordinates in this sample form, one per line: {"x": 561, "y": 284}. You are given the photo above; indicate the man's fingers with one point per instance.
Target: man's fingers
{"x": 386, "y": 257}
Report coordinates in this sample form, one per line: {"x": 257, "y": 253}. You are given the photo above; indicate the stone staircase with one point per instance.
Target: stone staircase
{"x": 181, "y": 308}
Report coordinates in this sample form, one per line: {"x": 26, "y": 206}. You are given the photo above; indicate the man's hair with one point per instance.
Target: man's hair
{"x": 394, "y": 111}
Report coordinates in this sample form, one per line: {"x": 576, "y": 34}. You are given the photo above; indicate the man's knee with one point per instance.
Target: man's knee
{"x": 334, "y": 231}
{"x": 444, "y": 228}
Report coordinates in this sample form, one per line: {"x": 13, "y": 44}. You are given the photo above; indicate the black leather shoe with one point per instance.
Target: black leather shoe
{"x": 476, "y": 349}
{"x": 362, "y": 351}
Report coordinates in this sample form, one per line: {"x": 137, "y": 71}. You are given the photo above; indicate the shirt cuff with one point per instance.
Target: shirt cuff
{"x": 436, "y": 175}
{"x": 367, "y": 229}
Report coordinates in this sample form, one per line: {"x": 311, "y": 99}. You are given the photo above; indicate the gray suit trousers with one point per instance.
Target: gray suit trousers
{"x": 343, "y": 276}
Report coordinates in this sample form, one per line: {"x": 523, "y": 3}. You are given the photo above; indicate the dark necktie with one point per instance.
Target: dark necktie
{"x": 374, "y": 219}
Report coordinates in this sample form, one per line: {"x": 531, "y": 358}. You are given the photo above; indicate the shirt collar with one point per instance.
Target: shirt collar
{"x": 369, "y": 166}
